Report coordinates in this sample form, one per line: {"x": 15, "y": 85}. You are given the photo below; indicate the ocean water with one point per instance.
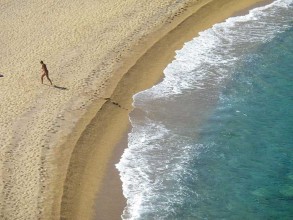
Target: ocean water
{"x": 214, "y": 139}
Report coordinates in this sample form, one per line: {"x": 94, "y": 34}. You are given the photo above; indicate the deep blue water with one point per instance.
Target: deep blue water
{"x": 214, "y": 139}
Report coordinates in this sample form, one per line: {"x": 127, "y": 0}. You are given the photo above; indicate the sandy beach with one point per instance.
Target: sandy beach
{"x": 59, "y": 144}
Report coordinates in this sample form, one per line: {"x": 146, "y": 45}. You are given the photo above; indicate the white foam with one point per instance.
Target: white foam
{"x": 218, "y": 48}
{"x": 156, "y": 158}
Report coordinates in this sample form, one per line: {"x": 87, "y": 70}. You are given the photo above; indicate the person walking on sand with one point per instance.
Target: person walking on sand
{"x": 45, "y": 72}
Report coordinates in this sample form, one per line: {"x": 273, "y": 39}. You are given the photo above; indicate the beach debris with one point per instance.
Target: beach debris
{"x": 1, "y": 75}
{"x": 114, "y": 103}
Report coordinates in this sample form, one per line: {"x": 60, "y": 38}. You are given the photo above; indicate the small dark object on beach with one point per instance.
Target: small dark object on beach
{"x": 1, "y": 75}
{"x": 114, "y": 103}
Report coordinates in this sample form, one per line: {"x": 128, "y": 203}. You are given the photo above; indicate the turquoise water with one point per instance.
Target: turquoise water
{"x": 245, "y": 169}
{"x": 214, "y": 139}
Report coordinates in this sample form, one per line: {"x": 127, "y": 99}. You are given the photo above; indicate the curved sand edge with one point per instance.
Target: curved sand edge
{"x": 81, "y": 42}
{"x": 81, "y": 50}
{"x": 83, "y": 108}
{"x": 95, "y": 153}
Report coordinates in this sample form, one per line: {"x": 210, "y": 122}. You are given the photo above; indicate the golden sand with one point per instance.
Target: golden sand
{"x": 57, "y": 143}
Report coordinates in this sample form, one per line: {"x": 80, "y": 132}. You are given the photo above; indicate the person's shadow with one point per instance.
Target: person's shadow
{"x": 60, "y": 87}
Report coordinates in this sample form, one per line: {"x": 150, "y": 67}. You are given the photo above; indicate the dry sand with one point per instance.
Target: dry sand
{"x": 57, "y": 143}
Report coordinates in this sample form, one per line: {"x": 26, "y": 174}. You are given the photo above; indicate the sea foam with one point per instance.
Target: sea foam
{"x": 160, "y": 143}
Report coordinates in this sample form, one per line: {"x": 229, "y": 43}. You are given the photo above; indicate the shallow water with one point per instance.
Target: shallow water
{"x": 214, "y": 139}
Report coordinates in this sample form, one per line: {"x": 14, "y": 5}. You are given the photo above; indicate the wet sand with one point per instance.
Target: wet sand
{"x": 59, "y": 144}
{"x": 147, "y": 71}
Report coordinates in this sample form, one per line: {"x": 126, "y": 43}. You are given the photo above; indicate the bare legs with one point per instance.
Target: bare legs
{"x": 42, "y": 77}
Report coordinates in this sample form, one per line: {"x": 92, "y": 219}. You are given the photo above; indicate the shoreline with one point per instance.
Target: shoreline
{"x": 118, "y": 120}
{"x": 59, "y": 144}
